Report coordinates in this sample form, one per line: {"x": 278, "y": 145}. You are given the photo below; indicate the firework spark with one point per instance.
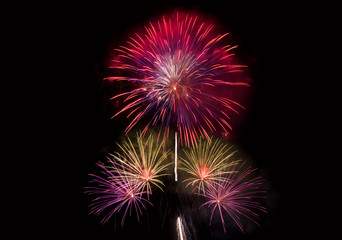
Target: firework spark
{"x": 116, "y": 189}
{"x": 207, "y": 163}
{"x": 236, "y": 196}
{"x": 174, "y": 66}
{"x": 143, "y": 160}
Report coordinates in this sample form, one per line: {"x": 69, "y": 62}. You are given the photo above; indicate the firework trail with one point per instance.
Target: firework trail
{"x": 176, "y": 153}
{"x": 116, "y": 189}
{"x": 143, "y": 160}
{"x": 207, "y": 163}
{"x": 236, "y": 196}
{"x": 180, "y": 230}
{"x": 174, "y": 66}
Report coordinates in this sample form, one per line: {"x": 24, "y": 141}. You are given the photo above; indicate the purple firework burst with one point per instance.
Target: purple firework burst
{"x": 236, "y": 195}
{"x": 116, "y": 189}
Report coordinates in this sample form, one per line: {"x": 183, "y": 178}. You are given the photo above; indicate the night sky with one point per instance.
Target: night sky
{"x": 84, "y": 36}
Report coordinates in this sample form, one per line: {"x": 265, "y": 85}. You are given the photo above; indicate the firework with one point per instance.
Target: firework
{"x": 207, "y": 163}
{"x": 143, "y": 160}
{"x": 116, "y": 189}
{"x": 174, "y": 67}
{"x": 176, "y": 158}
{"x": 236, "y": 196}
{"x": 180, "y": 229}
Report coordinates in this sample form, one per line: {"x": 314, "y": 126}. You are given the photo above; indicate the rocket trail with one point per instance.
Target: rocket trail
{"x": 176, "y": 175}
{"x": 180, "y": 229}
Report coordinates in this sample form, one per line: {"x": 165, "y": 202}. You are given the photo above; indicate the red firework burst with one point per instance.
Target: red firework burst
{"x": 174, "y": 66}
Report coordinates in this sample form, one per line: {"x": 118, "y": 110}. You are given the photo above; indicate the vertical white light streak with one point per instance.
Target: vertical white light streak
{"x": 180, "y": 228}
{"x": 176, "y": 176}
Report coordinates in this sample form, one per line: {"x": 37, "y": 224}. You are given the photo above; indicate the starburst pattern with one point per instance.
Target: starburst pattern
{"x": 116, "y": 190}
{"x": 144, "y": 160}
{"x": 174, "y": 66}
{"x": 236, "y": 196}
{"x": 207, "y": 163}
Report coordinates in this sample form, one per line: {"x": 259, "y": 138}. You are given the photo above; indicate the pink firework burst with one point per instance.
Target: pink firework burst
{"x": 236, "y": 196}
{"x": 175, "y": 67}
{"x": 118, "y": 190}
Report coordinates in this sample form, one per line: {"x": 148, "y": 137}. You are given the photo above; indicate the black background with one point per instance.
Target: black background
{"x": 79, "y": 41}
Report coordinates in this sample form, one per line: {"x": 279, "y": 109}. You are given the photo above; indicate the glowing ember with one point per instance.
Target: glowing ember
{"x": 203, "y": 172}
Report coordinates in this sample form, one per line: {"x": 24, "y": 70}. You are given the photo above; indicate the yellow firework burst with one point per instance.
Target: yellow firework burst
{"x": 207, "y": 163}
{"x": 144, "y": 160}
